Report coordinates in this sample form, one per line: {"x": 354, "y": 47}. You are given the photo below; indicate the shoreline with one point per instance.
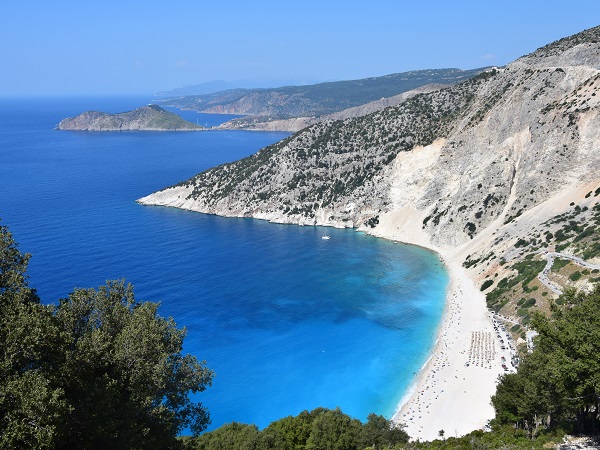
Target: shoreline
{"x": 446, "y": 393}
{"x": 452, "y": 391}
{"x": 412, "y": 389}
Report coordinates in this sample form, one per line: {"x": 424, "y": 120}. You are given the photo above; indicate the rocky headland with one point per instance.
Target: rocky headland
{"x": 491, "y": 173}
{"x": 442, "y": 169}
{"x": 146, "y": 118}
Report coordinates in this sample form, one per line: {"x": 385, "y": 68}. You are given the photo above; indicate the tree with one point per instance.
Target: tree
{"x": 295, "y": 429}
{"x": 13, "y": 268}
{"x": 560, "y": 380}
{"x": 99, "y": 370}
{"x": 274, "y": 439}
{"x": 380, "y": 433}
{"x": 572, "y": 339}
{"x": 124, "y": 373}
{"x": 32, "y": 404}
{"x": 334, "y": 430}
{"x": 321, "y": 428}
{"x": 231, "y": 436}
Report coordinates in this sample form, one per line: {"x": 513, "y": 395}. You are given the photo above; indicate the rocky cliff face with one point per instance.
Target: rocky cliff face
{"x": 146, "y": 118}
{"x": 452, "y": 169}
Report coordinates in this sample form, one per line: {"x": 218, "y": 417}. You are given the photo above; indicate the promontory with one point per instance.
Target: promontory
{"x": 146, "y": 118}
{"x": 499, "y": 174}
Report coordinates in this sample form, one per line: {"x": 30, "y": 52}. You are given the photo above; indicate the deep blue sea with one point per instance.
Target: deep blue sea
{"x": 288, "y": 321}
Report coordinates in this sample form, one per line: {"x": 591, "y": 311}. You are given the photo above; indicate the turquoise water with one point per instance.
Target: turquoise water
{"x": 287, "y": 320}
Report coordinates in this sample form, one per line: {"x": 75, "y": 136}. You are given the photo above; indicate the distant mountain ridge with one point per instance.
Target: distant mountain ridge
{"x": 266, "y": 123}
{"x": 317, "y": 99}
{"x": 211, "y": 87}
{"x": 146, "y": 118}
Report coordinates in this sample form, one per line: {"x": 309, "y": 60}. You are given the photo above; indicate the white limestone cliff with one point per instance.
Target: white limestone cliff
{"x": 446, "y": 169}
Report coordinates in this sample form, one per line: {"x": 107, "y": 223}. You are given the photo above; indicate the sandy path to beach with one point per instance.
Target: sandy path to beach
{"x": 450, "y": 395}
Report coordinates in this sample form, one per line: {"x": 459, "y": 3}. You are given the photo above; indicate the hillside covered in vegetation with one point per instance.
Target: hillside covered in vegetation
{"x": 317, "y": 99}
{"x": 493, "y": 170}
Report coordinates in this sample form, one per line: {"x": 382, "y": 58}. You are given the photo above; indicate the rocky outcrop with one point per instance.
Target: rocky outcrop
{"x": 452, "y": 169}
{"x": 146, "y": 118}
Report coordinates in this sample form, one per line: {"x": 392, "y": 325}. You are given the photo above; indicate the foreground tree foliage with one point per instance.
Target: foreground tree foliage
{"x": 558, "y": 384}
{"x": 102, "y": 370}
{"x": 98, "y": 370}
{"x": 502, "y": 437}
{"x": 304, "y": 431}
{"x": 319, "y": 429}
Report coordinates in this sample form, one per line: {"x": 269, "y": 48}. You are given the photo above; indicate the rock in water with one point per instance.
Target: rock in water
{"x": 146, "y": 118}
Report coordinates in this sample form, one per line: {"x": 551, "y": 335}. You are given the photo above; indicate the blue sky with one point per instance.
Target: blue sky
{"x": 142, "y": 47}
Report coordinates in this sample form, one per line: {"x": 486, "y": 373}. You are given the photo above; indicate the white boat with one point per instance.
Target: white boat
{"x": 325, "y": 237}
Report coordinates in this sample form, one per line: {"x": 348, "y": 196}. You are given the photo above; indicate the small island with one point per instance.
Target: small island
{"x": 146, "y": 118}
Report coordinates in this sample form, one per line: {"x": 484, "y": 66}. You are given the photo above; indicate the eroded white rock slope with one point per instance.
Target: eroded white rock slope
{"x": 452, "y": 169}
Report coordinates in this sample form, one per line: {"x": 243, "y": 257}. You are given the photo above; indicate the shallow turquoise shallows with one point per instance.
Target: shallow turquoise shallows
{"x": 287, "y": 320}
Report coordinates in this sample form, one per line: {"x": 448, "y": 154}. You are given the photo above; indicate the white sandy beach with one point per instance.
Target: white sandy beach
{"x": 450, "y": 395}
{"x": 447, "y": 394}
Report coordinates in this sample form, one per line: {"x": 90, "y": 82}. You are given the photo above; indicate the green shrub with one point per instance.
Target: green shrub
{"x": 486, "y": 284}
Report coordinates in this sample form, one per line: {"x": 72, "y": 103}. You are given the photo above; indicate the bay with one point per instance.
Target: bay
{"x": 288, "y": 321}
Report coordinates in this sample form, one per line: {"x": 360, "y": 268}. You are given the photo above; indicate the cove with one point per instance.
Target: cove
{"x": 288, "y": 321}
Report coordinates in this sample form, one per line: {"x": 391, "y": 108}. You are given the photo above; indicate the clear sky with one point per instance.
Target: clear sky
{"x": 107, "y": 47}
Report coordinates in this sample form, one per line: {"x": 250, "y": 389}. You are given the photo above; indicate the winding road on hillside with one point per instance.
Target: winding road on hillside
{"x": 543, "y": 275}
